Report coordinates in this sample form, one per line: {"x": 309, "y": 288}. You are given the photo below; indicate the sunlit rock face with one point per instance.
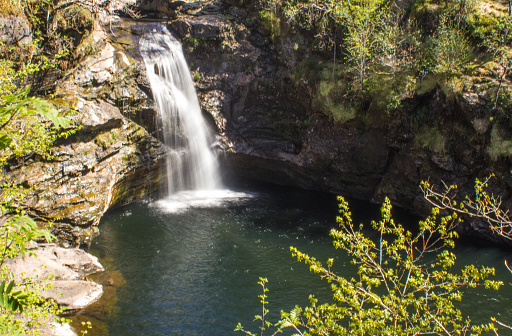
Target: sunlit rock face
{"x": 66, "y": 269}
{"x": 110, "y": 160}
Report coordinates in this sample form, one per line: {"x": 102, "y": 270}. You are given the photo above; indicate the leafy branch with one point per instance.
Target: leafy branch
{"x": 287, "y": 319}
{"x": 405, "y": 282}
{"x": 13, "y": 301}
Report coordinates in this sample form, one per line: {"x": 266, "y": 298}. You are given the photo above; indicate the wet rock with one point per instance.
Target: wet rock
{"x": 212, "y": 101}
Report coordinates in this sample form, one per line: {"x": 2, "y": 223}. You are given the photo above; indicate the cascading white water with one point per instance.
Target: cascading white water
{"x": 191, "y": 165}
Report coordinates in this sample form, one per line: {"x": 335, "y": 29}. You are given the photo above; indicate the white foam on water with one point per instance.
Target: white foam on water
{"x": 185, "y": 200}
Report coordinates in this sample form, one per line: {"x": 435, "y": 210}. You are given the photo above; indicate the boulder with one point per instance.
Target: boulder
{"x": 98, "y": 115}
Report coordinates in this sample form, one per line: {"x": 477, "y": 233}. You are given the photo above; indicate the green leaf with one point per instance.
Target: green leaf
{"x": 22, "y": 297}
{"x": 9, "y": 287}
{"x": 5, "y": 142}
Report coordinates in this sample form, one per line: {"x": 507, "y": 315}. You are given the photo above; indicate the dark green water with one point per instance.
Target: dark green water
{"x": 191, "y": 266}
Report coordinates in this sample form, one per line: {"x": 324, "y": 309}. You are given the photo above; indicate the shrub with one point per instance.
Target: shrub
{"x": 450, "y": 49}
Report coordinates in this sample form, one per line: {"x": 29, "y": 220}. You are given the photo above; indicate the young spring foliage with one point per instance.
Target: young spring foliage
{"x": 406, "y": 283}
{"x": 264, "y": 311}
{"x": 483, "y": 205}
{"x": 285, "y": 322}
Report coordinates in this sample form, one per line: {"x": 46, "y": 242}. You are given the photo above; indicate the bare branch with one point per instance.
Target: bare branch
{"x": 483, "y": 205}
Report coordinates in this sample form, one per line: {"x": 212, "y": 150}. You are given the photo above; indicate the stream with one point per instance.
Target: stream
{"x": 192, "y": 262}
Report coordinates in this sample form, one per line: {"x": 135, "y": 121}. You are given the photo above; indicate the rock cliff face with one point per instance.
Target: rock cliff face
{"x": 110, "y": 160}
{"x": 271, "y": 126}
{"x": 275, "y": 130}
{"x": 267, "y": 117}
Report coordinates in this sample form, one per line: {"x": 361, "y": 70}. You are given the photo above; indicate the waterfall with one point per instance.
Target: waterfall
{"x": 191, "y": 165}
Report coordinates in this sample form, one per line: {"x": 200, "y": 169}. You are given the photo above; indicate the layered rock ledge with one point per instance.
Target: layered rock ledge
{"x": 110, "y": 160}
{"x": 66, "y": 269}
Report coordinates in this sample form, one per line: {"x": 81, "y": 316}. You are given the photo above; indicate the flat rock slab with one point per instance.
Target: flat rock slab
{"x": 74, "y": 294}
{"x": 52, "y": 261}
{"x": 98, "y": 115}
{"x": 67, "y": 268}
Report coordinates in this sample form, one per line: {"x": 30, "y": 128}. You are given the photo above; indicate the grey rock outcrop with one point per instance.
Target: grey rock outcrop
{"x": 14, "y": 30}
{"x": 74, "y": 295}
{"x": 66, "y": 269}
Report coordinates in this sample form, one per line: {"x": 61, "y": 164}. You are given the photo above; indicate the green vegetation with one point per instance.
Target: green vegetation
{"x": 107, "y": 139}
{"x": 17, "y": 230}
{"x": 407, "y": 282}
{"x": 389, "y": 50}
{"x": 498, "y": 146}
{"x": 29, "y": 125}
{"x": 197, "y": 76}
{"x": 430, "y": 138}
